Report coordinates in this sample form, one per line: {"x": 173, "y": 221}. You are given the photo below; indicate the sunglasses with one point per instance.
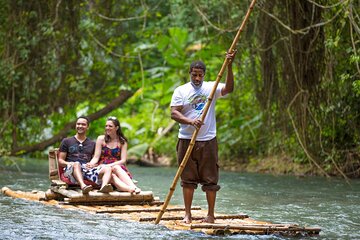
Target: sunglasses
{"x": 81, "y": 148}
{"x": 112, "y": 118}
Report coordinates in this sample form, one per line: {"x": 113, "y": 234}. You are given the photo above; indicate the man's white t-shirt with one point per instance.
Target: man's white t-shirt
{"x": 193, "y": 102}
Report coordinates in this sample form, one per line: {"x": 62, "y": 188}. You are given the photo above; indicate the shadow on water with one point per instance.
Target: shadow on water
{"x": 332, "y": 205}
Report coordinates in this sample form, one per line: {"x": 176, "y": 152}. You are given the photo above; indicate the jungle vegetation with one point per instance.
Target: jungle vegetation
{"x": 297, "y": 75}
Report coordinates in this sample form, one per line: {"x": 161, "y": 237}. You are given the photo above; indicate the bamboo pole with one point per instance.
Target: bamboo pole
{"x": 203, "y": 115}
{"x": 36, "y": 196}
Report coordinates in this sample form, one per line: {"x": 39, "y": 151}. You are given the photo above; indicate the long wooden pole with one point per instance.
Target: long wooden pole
{"x": 203, "y": 115}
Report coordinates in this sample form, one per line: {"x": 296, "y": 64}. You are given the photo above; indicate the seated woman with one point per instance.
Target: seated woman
{"x": 111, "y": 150}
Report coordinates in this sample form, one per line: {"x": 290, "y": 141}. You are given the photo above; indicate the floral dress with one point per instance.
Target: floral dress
{"x": 108, "y": 156}
{"x": 111, "y": 155}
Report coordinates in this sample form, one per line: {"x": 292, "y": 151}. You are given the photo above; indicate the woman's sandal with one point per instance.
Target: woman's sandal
{"x": 106, "y": 189}
{"x": 137, "y": 190}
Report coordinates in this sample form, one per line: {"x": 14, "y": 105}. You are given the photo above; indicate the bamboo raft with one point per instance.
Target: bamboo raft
{"x": 144, "y": 208}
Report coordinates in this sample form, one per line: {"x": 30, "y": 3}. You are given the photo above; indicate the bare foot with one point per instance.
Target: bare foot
{"x": 187, "y": 219}
{"x": 208, "y": 219}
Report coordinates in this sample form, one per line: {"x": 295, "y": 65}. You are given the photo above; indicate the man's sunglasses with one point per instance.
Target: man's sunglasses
{"x": 81, "y": 148}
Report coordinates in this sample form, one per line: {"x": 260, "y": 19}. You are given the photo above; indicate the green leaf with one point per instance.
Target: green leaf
{"x": 138, "y": 150}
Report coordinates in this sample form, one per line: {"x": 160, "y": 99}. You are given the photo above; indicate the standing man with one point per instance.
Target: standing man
{"x": 187, "y": 104}
{"x": 76, "y": 151}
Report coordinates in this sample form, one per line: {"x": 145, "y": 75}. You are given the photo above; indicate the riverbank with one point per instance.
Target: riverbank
{"x": 274, "y": 164}
{"x": 284, "y": 165}
{"x": 277, "y": 165}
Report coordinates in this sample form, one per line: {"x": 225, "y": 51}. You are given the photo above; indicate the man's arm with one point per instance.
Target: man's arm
{"x": 62, "y": 157}
{"x": 96, "y": 157}
{"x": 180, "y": 118}
{"x": 229, "y": 84}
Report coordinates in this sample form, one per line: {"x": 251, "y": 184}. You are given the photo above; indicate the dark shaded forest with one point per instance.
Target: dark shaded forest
{"x": 296, "y": 104}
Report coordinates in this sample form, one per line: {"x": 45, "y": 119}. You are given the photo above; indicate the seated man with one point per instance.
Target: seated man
{"x": 75, "y": 152}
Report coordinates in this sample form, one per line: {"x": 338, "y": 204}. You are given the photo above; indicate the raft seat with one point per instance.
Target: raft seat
{"x": 62, "y": 189}
{"x": 56, "y": 172}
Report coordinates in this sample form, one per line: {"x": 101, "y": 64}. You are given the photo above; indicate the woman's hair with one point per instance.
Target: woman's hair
{"x": 119, "y": 132}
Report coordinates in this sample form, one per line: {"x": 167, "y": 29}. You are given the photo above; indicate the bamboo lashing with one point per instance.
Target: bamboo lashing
{"x": 203, "y": 115}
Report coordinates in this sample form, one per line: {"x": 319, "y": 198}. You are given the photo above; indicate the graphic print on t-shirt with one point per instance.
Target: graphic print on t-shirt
{"x": 198, "y": 102}
{"x": 79, "y": 154}
{"x": 73, "y": 148}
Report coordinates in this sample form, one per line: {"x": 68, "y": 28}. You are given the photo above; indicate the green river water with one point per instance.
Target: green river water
{"x": 333, "y": 205}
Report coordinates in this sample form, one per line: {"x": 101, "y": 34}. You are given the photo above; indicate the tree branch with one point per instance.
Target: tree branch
{"x": 106, "y": 48}
{"x": 123, "y": 97}
{"x": 206, "y": 19}
{"x": 300, "y": 139}
{"x": 302, "y": 31}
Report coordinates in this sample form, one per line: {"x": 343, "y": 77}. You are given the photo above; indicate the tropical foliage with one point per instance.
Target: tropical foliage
{"x": 297, "y": 75}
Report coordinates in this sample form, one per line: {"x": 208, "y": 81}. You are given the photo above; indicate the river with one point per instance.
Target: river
{"x": 333, "y": 205}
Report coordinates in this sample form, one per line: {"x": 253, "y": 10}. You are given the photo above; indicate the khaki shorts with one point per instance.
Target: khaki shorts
{"x": 202, "y": 166}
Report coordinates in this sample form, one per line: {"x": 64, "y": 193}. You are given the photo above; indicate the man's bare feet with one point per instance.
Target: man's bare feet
{"x": 208, "y": 219}
{"x": 187, "y": 219}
